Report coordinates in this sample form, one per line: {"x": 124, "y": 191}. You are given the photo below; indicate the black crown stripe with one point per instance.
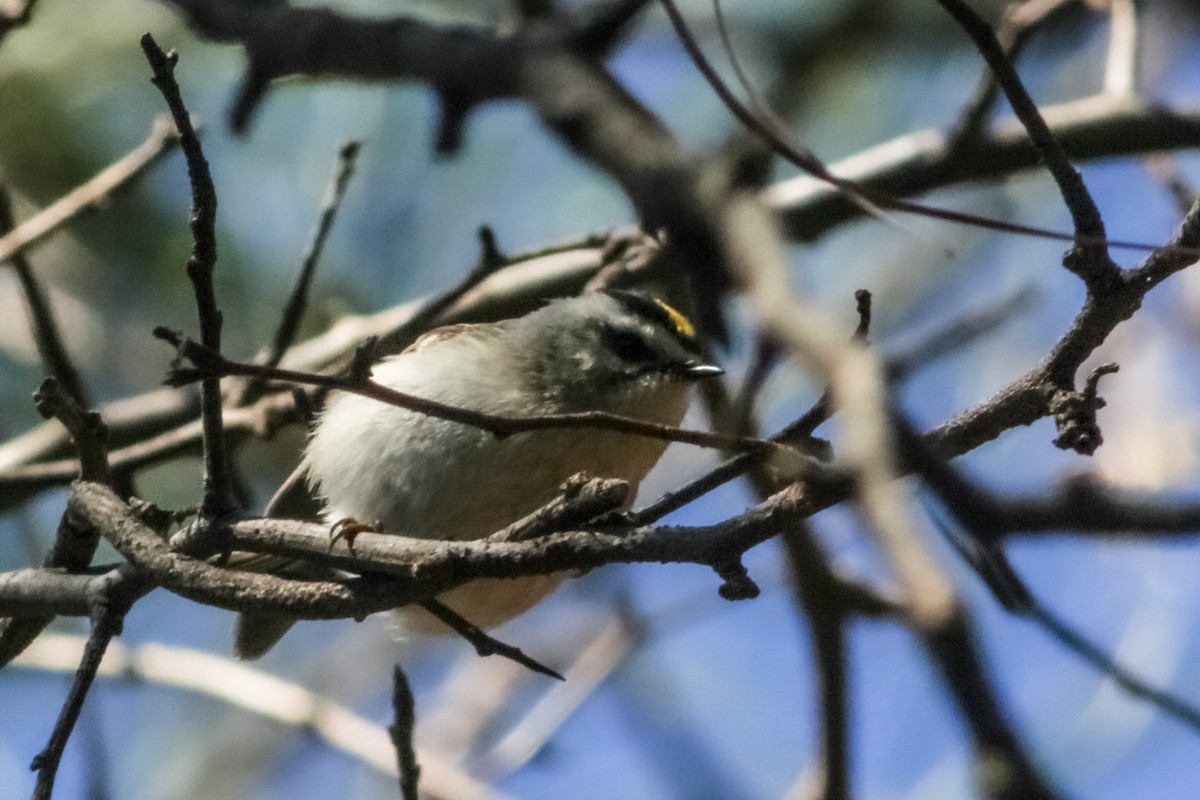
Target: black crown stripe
{"x": 658, "y": 312}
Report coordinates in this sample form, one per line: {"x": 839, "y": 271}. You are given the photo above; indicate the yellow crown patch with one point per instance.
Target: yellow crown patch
{"x": 683, "y": 325}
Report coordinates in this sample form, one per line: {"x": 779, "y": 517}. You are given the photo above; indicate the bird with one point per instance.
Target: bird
{"x": 400, "y": 471}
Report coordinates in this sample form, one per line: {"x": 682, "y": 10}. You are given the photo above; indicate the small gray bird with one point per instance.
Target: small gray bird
{"x": 416, "y": 475}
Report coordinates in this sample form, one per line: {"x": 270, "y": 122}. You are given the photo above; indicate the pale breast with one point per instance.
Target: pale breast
{"x": 428, "y": 477}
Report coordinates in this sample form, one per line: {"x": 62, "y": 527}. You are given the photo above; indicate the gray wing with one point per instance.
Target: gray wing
{"x": 255, "y": 634}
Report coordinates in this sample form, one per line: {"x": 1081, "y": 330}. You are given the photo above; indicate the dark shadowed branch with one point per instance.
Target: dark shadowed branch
{"x": 401, "y": 732}
{"x": 218, "y": 486}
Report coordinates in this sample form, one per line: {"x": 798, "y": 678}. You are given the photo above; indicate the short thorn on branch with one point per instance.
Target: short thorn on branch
{"x": 1091, "y": 387}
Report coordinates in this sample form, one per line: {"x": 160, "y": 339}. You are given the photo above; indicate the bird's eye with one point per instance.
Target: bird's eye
{"x": 629, "y": 346}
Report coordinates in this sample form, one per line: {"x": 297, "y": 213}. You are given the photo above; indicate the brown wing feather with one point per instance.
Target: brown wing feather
{"x": 446, "y": 333}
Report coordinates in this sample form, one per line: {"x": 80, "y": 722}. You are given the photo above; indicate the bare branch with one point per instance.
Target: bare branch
{"x": 1185, "y": 712}
{"x": 260, "y": 693}
{"x": 1020, "y": 21}
{"x": 405, "y": 570}
{"x": 294, "y": 309}
{"x": 925, "y": 160}
{"x": 87, "y": 431}
{"x": 95, "y": 193}
{"x": 218, "y": 485}
{"x": 401, "y": 733}
{"x": 209, "y": 363}
{"x": 815, "y": 588}
{"x": 46, "y": 331}
{"x": 112, "y": 601}
{"x": 1120, "y": 72}
{"x": 75, "y": 541}
{"x": 43, "y": 593}
{"x": 1092, "y": 263}
{"x": 484, "y": 644}
{"x": 1002, "y": 768}
{"x": 919, "y": 161}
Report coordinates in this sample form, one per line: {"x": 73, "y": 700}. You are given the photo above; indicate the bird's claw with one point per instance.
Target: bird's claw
{"x": 348, "y": 528}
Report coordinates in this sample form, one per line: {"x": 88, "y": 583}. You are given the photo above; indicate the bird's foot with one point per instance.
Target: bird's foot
{"x": 348, "y": 528}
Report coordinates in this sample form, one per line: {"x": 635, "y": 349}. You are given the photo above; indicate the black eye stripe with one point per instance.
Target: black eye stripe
{"x": 628, "y": 345}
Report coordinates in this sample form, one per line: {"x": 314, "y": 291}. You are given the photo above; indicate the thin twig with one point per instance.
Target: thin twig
{"x": 401, "y": 733}
{"x": 858, "y": 390}
{"x": 783, "y": 133}
{"x": 254, "y": 691}
{"x": 218, "y": 483}
{"x": 491, "y": 260}
{"x": 1016, "y": 29}
{"x": 957, "y": 334}
{"x": 112, "y": 604}
{"x": 297, "y": 302}
{"x": 211, "y": 363}
{"x": 46, "y": 332}
{"x": 93, "y": 194}
{"x": 853, "y": 192}
{"x": 1030, "y": 397}
{"x": 986, "y": 519}
{"x": 582, "y": 500}
{"x": 797, "y": 434}
{"x": 1094, "y": 265}
{"x": 767, "y": 355}
{"x": 1070, "y": 638}
{"x": 484, "y": 644}
{"x": 918, "y": 161}
{"x": 262, "y": 420}
{"x": 595, "y": 662}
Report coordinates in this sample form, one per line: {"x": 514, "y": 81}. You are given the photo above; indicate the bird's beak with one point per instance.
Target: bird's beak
{"x": 698, "y": 371}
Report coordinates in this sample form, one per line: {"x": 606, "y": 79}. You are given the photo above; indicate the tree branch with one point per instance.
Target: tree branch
{"x": 91, "y": 195}
{"x": 218, "y": 485}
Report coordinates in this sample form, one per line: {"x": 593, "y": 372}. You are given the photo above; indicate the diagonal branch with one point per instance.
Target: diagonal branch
{"x": 93, "y": 194}
{"x": 213, "y": 364}
{"x": 297, "y": 302}
{"x": 1093, "y": 264}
